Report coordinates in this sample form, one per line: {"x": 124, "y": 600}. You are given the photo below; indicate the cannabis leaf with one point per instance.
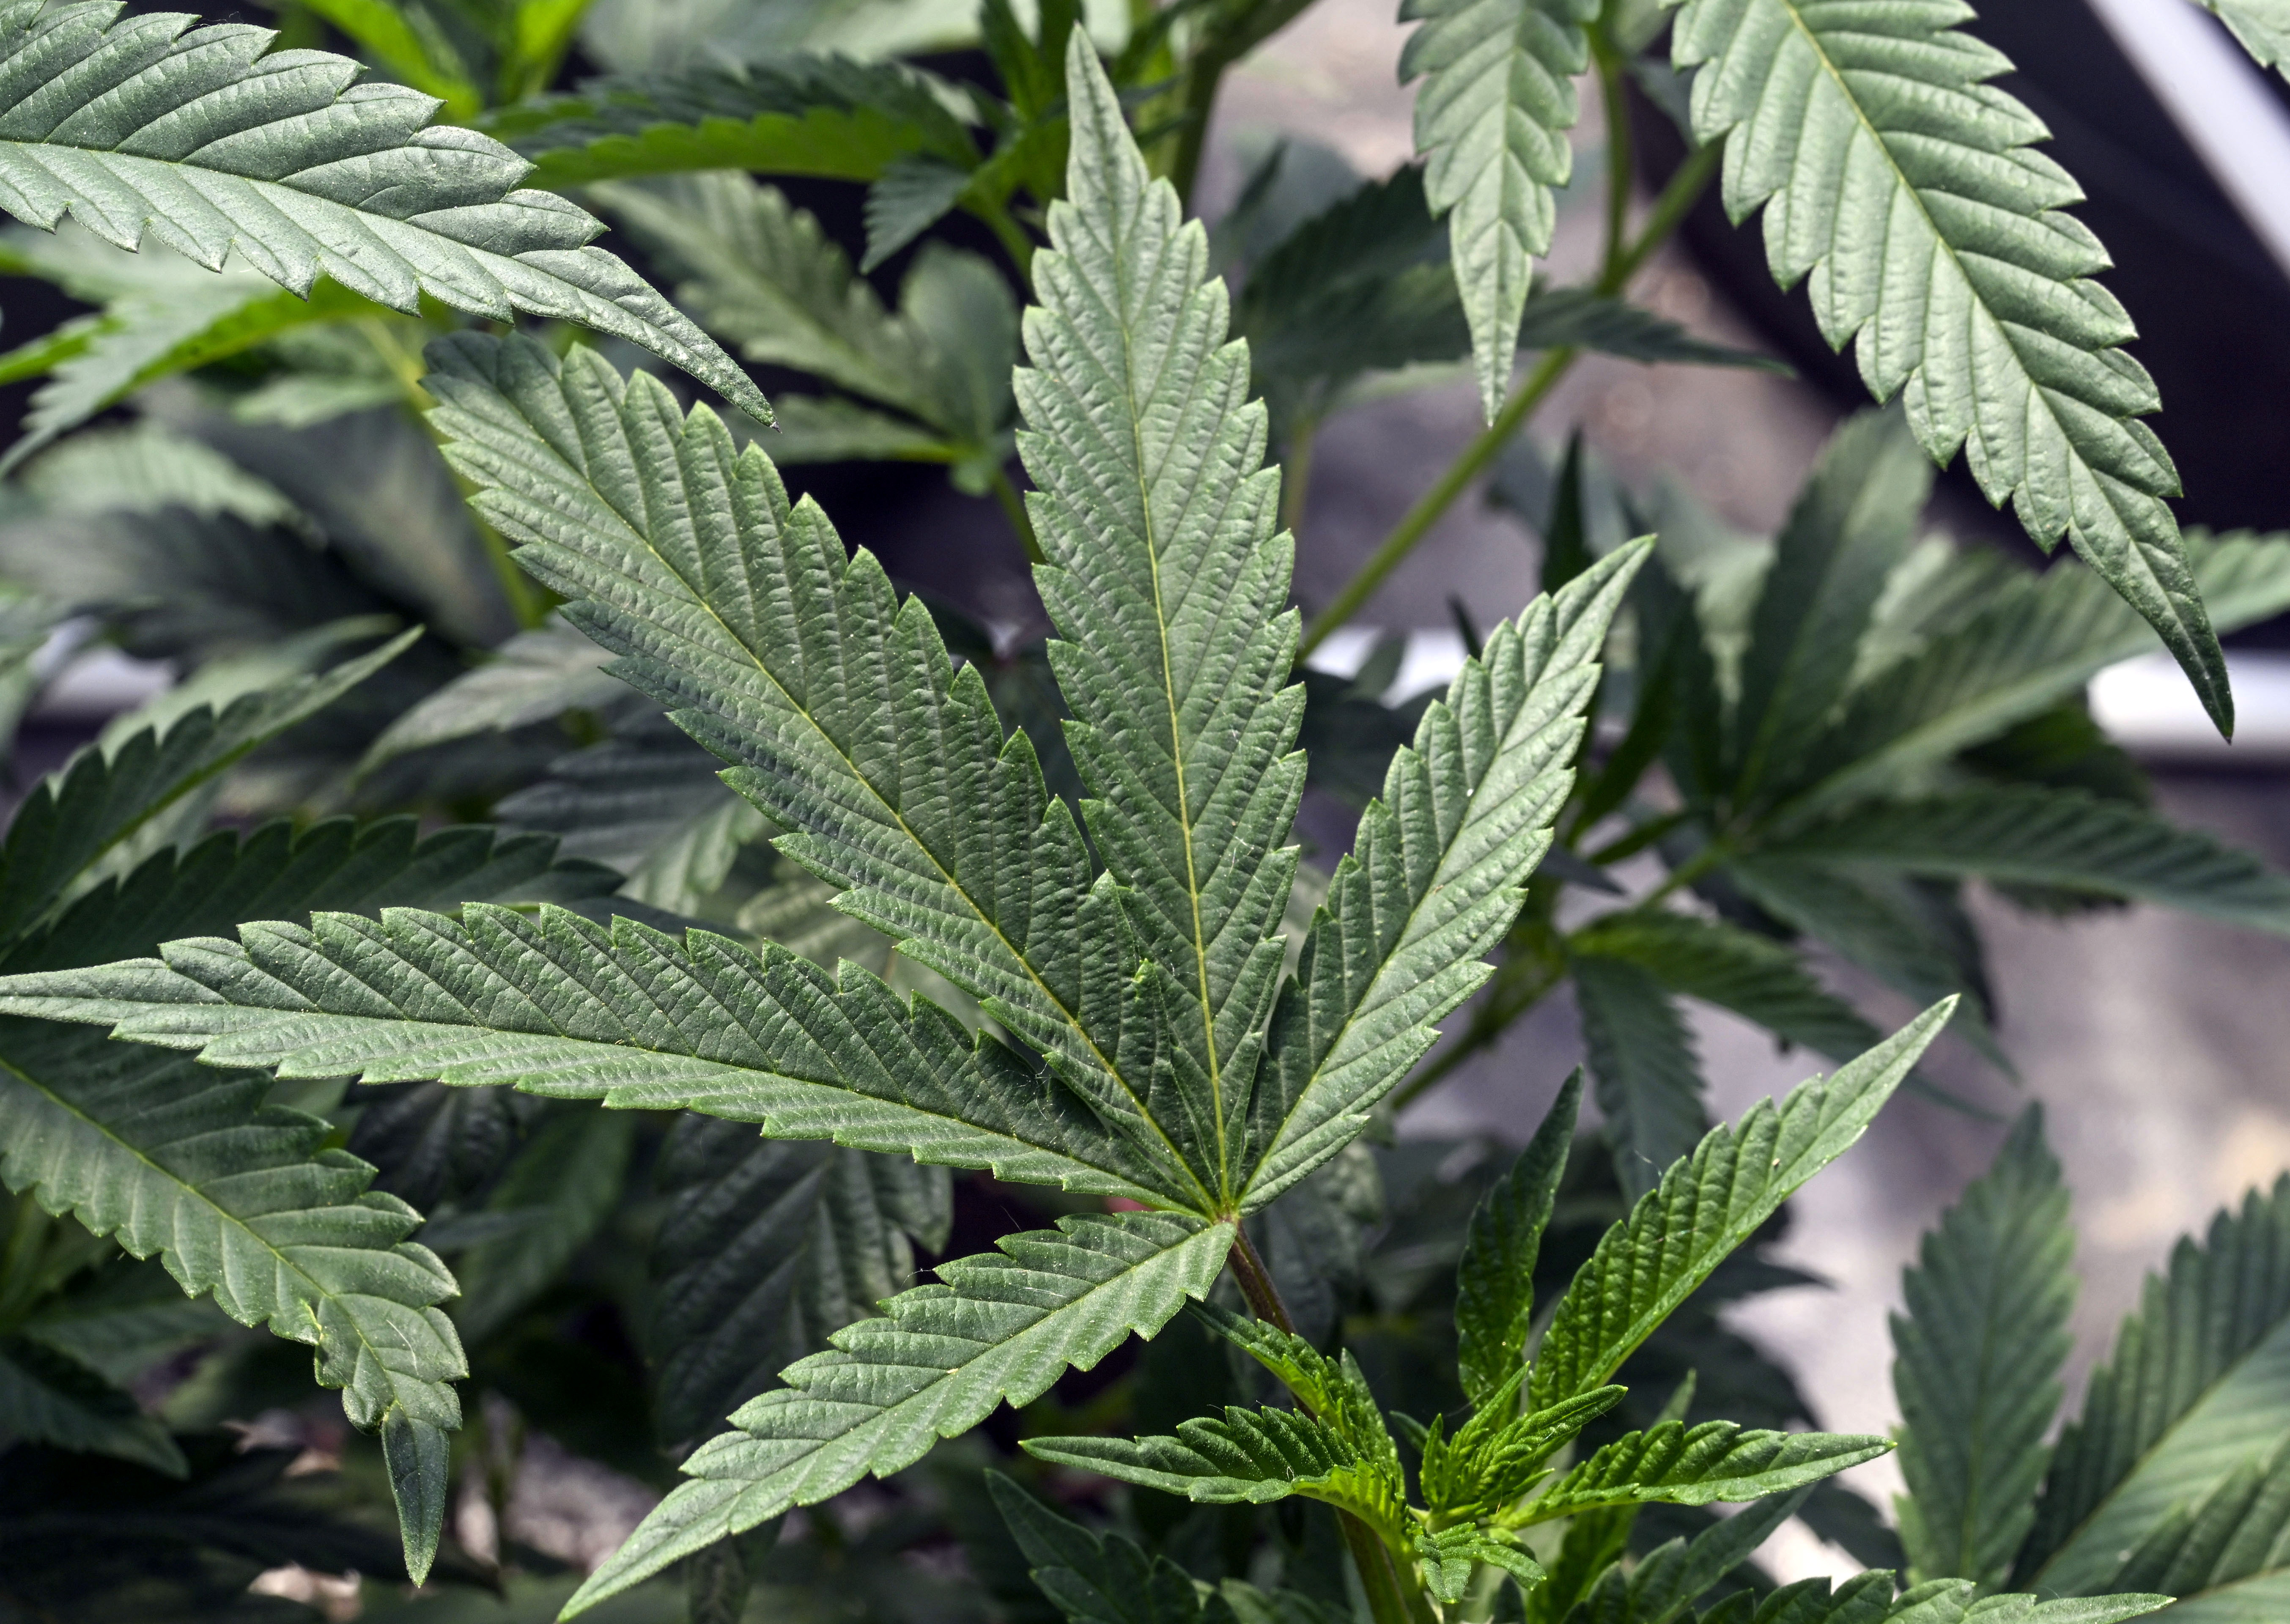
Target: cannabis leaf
{"x": 995, "y": 1329}
{"x": 1679, "y": 1465}
{"x": 1495, "y": 1280}
{"x": 1649, "y": 1076}
{"x": 2188, "y": 1393}
{"x": 1978, "y": 1357}
{"x": 1492, "y": 117}
{"x": 1707, "y": 1205}
{"x": 764, "y": 1249}
{"x": 240, "y": 1200}
{"x": 2262, "y": 26}
{"x": 796, "y": 115}
{"x": 2061, "y": 837}
{"x": 145, "y": 124}
{"x": 1906, "y": 186}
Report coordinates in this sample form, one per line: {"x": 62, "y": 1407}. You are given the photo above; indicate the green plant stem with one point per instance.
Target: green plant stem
{"x": 1014, "y": 508}
{"x": 1009, "y": 233}
{"x": 1296, "y": 476}
{"x": 1670, "y": 208}
{"x": 1201, "y": 83}
{"x": 1388, "y": 1592}
{"x": 1435, "y": 501}
{"x": 1619, "y": 170}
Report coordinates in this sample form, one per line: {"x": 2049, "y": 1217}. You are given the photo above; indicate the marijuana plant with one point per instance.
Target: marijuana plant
{"x": 747, "y": 840}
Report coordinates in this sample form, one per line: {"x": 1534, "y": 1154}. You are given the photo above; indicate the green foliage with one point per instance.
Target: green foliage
{"x": 1492, "y": 117}
{"x": 1934, "y": 235}
{"x": 1980, "y": 1349}
{"x": 1703, "y": 1208}
{"x": 148, "y": 149}
{"x": 1494, "y": 1279}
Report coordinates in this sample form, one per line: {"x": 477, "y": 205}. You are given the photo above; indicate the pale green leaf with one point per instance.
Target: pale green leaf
{"x": 535, "y": 677}
{"x": 1906, "y": 189}
{"x": 998, "y": 1328}
{"x": 2262, "y": 26}
{"x": 1707, "y": 1205}
{"x": 1581, "y": 318}
{"x": 1492, "y": 117}
{"x": 2227, "y": 1553}
{"x": 1977, "y": 1363}
{"x": 198, "y": 140}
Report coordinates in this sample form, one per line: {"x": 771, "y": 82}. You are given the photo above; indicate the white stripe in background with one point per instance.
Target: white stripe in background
{"x": 2144, "y": 705}
{"x": 2220, "y": 101}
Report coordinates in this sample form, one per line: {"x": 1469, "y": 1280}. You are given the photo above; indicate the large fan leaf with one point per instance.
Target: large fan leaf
{"x": 1905, "y": 184}
{"x": 995, "y": 1329}
{"x": 242, "y": 1200}
{"x": 135, "y": 125}
{"x": 1168, "y": 583}
{"x": 795, "y": 116}
{"x": 1707, "y": 1205}
{"x": 774, "y": 647}
{"x": 765, "y": 1249}
{"x": 1977, "y": 1363}
{"x": 558, "y": 1006}
{"x": 2061, "y": 837}
{"x": 1094, "y": 1578}
{"x": 2262, "y": 26}
{"x": 1492, "y": 116}
{"x": 2228, "y": 1553}
{"x": 1433, "y": 878}
{"x": 2195, "y": 1384}
{"x": 1675, "y": 1464}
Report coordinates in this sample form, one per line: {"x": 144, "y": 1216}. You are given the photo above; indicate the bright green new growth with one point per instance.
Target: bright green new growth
{"x": 145, "y": 125}
{"x": 1907, "y": 189}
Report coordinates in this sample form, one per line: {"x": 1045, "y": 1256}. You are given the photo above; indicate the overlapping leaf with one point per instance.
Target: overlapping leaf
{"x": 795, "y": 116}
{"x": 1495, "y": 1278}
{"x": 240, "y": 1200}
{"x": 1432, "y": 880}
{"x": 2060, "y": 838}
{"x": 765, "y": 1249}
{"x": 1643, "y": 1058}
{"x": 2191, "y": 1389}
{"x": 997, "y": 1328}
{"x": 1978, "y": 1356}
{"x": 143, "y": 125}
{"x": 1705, "y": 1207}
{"x": 1906, "y": 186}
